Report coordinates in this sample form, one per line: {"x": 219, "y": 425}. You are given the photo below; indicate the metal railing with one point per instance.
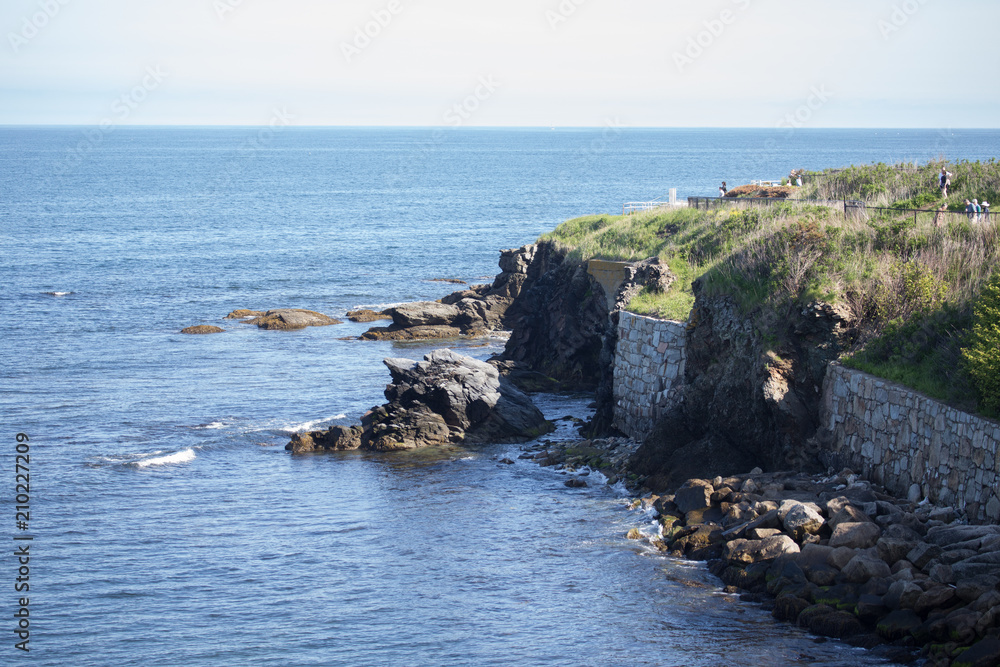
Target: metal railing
{"x": 708, "y": 203}
{"x": 637, "y": 206}
{"x": 630, "y": 207}
{"x": 854, "y": 209}
{"x": 859, "y": 210}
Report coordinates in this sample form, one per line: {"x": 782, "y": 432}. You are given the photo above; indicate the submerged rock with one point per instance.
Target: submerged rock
{"x": 290, "y": 319}
{"x": 243, "y": 313}
{"x": 366, "y": 315}
{"x": 202, "y": 329}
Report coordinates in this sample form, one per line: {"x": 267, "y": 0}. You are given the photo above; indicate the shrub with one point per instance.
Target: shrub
{"x": 982, "y": 356}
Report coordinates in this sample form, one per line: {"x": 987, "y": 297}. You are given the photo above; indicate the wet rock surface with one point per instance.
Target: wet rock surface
{"x": 446, "y": 398}
{"x": 283, "y": 319}
{"x": 840, "y": 557}
{"x": 201, "y": 329}
{"x": 475, "y": 311}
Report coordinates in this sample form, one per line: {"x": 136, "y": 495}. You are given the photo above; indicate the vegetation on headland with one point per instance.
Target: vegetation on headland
{"x": 914, "y": 282}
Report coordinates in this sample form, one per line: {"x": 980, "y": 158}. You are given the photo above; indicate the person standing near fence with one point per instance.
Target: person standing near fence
{"x": 986, "y": 211}
{"x": 970, "y": 210}
{"x": 723, "y": 189}
{"x": 978, "y": 210}
{"x": 945, "y": 181}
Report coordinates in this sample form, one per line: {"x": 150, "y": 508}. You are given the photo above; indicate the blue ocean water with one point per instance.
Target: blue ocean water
{"x": 171, "y": 528}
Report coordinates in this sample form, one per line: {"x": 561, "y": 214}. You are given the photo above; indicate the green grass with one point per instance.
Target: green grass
{"x": 923, "y": 352}
{"x": 908, "y": 283}
{"x": 671, "y": 305}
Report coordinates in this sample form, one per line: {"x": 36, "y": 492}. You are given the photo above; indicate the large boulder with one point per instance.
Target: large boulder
{"x": 422, "y": 313}
{"x": 801, "y": 519}
{"x": 446, "y": 398}
{"x": 290, "y": 319}
{"x": 755, "y": 551}
{"x": 855, "y": 535}
{"x": 695, "y": 494}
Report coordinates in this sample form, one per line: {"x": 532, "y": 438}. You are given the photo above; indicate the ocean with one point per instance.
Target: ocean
{"x": 168, "y": 525}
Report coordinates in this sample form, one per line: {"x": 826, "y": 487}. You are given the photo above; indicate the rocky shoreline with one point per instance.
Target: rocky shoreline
{"x": 833, "y": 554}
{"x": 830, "y": 552}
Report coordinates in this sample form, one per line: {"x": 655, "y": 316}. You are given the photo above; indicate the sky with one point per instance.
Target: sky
{"x": 538, "y": 63}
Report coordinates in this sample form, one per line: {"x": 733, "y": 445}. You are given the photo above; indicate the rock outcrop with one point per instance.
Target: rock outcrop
{"x": 290, "y": 319}
{"x": 366, "y": 315}
{"x": 202, "y": 329}
{"x": 558, "y": 325}
{"x": 475, "y": 311}
{"x": 446, "y": 398}
{"x": 283, "y": 319}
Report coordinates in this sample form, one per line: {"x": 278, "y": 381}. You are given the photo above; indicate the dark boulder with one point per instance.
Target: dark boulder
{"x": 446, "y": 398}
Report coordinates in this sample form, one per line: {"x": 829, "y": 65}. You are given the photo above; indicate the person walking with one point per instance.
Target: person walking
{"x": 970, "y": 210}
{"x": 945, "y": 180}
{"x": 723, "y": 189}
{"x": 986, "y": 211}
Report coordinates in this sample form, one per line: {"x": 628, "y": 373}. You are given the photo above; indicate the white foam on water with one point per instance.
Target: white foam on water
{"x": 212, "y": 426}
{"x": 309, "y": 425}
{"x": 58, "y": 293}
{"x": 301, "y": 427}
{"x": 182, "y": 456}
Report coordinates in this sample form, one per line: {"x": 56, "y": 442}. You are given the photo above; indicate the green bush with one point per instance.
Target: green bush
{"x": 982, "y": 356}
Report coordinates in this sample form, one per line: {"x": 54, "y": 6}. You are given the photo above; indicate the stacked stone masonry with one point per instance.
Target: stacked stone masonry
{"x": 913, "y": 445}
{"x": 648, "y": 370}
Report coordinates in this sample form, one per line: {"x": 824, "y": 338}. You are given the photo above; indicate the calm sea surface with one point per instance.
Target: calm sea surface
{"x": 171, "y": 528}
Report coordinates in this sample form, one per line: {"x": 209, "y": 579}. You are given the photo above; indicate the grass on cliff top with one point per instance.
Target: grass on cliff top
{"x": 910, "y": 284}
{"x": 906, "y": 185}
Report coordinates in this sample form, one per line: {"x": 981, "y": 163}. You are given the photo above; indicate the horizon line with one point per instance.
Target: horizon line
{"x": 446, "y": 128}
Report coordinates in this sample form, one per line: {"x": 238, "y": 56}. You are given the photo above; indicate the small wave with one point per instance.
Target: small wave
{"x": 310, "y": 425}
{"x": 211, "y": 426}
{"x": 58, "y": 293}
{"x": 182, "y": 456}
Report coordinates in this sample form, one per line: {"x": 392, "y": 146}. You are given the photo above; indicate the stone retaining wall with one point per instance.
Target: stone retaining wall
{"x": 913, "y": 445}
{"x": 649, "y": 364}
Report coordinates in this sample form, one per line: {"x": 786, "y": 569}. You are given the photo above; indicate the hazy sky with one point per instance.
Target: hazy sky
{"x": 640, "y": 63}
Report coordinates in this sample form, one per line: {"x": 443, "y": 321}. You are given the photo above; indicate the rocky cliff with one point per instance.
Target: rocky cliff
{"x": 558, "y": 325}
{"x": 752, "y": 392}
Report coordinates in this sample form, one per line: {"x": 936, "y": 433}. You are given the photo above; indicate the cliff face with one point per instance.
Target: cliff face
{"x": 558, "y": 325}
{"x": 748, "y": 401}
